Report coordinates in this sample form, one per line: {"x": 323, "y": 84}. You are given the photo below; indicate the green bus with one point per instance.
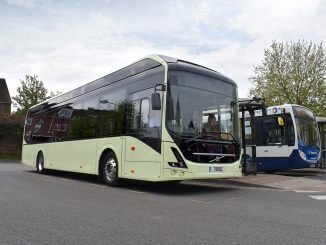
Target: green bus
{"x": 145, "y": 121}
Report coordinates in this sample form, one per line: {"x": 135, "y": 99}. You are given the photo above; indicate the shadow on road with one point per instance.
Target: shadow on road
{"x": 182, "y": 188}
{"x": 303, "y": 172}
{"x": 162, "y": 188}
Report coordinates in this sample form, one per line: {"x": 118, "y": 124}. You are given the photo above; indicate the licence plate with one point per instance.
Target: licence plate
{"x": 215, "y": 169}
{"x": 312, "y": 165}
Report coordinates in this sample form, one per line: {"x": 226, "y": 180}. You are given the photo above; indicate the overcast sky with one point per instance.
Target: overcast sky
{"x": 70, "y": 43}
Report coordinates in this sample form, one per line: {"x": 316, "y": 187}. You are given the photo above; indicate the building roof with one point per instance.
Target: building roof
{"x": 4, "y": 92}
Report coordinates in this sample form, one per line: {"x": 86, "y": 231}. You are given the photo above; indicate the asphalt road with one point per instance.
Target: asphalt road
{"x": 65, "y": 208}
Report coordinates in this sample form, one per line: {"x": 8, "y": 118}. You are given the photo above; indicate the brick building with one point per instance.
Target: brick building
{"x": 5, "y": 100}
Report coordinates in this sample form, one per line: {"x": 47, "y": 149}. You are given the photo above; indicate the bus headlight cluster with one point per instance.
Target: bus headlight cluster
{"x": 180, "y": 163}
{"x": 302, "y": 155}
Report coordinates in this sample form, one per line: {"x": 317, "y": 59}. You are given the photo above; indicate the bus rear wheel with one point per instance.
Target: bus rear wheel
{"x": 109, "y": 169}
{"x": 40, "y": 163}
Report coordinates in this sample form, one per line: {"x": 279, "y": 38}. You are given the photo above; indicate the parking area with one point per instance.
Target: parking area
{"x": 313, "y": 179}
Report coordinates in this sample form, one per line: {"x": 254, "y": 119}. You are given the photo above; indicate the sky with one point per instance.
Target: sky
{"x": 70, "y": 43}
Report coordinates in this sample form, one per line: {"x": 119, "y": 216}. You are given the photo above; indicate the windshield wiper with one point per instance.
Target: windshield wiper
{"x": 207, "y": 137}
{"x": 234, "y": 139}
{"x": 214, "y": 137}
{"x": 193, "y": 138}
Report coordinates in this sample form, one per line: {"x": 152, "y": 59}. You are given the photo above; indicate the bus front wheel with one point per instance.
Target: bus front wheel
{"x": 40, "y": 163}
{"x": 109, "y": 169}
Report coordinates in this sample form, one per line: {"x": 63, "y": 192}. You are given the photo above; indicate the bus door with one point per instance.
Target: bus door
{"x": 248, "y": 109}
{"x": 143, "y": 145}
{"x": 275, "y": 142}
{"x": 248, "y": 143}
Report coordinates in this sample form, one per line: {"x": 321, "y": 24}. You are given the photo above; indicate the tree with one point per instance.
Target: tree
{"x": 292, "y": 73}
{"x": 31, "y": 92}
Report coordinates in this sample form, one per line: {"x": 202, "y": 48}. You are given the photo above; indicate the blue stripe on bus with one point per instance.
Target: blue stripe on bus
{"x": 283, "y": 163}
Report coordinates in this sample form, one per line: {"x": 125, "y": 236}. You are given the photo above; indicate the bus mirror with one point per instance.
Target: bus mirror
{"x": 280, "y": 121}
{"x": 156, "y": 102}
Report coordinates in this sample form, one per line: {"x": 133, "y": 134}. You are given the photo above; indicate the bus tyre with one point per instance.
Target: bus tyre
{"x": 109, "y": 169}
{"x": 40, "y": 163}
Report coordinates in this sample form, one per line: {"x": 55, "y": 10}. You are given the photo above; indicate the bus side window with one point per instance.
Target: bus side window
{"x": 112, "y": 112}
{"x": 90, "y": 118}
{"x": 135, "y": 116}
{"x": 75, "y": 124}
{"x": 272, "y": 132}
{"x": 140, "y": 114}
{"x": 290, "y": 132}
{"x": 144, "y": 113}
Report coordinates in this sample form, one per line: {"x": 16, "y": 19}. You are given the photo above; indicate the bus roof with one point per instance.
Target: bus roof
{"x": 146, "y": 63}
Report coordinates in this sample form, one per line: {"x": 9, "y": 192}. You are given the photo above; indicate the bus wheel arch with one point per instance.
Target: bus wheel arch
{"x": 40, "y": 162}
{"x": 109, "y": 168}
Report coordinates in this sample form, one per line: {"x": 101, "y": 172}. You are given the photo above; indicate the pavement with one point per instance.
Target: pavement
{"x": 303, "y": 179}
{"x": 293, "y": 180}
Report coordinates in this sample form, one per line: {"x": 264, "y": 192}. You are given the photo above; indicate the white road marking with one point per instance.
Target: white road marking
{"x": 201, "y": 201}
{"x": 319, "y": 197}
{"x": 306, "y": 191}
{"x": 138, "y": 192}
{"x": 98, "y": 185}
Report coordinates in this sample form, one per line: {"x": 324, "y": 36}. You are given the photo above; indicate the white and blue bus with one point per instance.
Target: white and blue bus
{"x": 287, "y": 137}
{"x": 321, "y": 121}
{"x": 144, "y": 121}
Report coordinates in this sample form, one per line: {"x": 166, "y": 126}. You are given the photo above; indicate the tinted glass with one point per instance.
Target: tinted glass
{"x": 272, "y": 132}
{"x": 146, "y": 123}
{"x": 306, "y": 126}
{"x": 198, "y": 104}
{"x": 104, "y": 112}
{"x": 111, "y": 113}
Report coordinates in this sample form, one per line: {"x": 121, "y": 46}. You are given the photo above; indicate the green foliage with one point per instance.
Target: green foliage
{"x": 31, "y": 92}
{"x": 293, "y": 73}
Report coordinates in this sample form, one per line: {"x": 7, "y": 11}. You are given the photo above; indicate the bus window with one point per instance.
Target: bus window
{"x": 290, "y": 131}
{"x": 75, "y": 124}
{"x": 272, "y": 132}
{"x": 146, "y": 123}
{"x": 135, "y": 116}
{"x": 90, "y": 118}
{"x": 248, "y": 131}
{"x": 144, "y": 113}
{"x": 111, "y": 113}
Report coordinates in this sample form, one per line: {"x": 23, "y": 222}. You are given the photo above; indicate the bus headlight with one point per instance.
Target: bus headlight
{"x": 180, "y": 163}
{"x": 302, "y": 155}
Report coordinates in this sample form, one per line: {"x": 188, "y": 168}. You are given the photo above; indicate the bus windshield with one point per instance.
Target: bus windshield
{"x": 199, "y": 105}
{"x": 306, "y": 127}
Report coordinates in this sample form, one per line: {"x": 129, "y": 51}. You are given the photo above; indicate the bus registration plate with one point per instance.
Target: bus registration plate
{"x": 212, "y": 169}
